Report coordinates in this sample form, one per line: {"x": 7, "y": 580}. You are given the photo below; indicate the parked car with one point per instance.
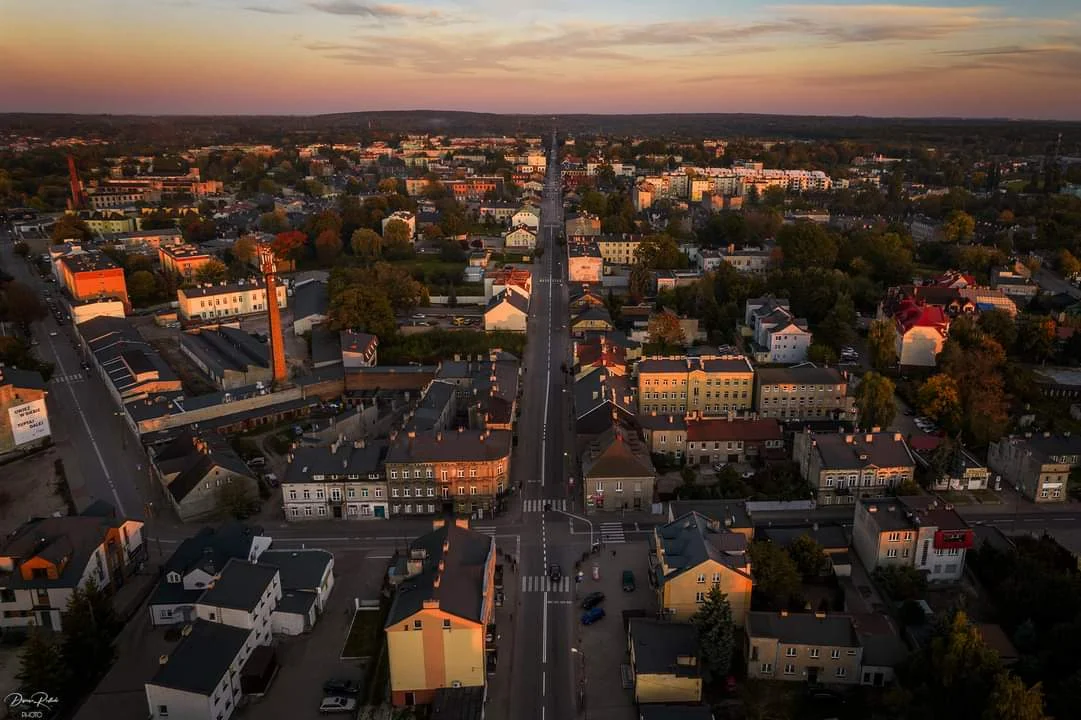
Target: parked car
{"x": 555, "y": 573}
{"x": 340, "y": 686}
{"x": 628, "y": 581}
{"x": 592, "y": 615}
{"x": 592, "y": 600}
{"x": 338, "y": 704}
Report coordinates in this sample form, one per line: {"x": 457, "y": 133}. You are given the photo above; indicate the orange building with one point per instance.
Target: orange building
{"x": 182, "y": 259}
{"x": 437, "y": 625}
{"x": 89, "y": 276}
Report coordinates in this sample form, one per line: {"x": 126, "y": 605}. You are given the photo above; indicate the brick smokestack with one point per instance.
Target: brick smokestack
{"x": 277, "y": 343}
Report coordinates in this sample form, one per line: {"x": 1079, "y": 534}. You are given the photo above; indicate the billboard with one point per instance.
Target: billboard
{"x": 953, "y": 539}
{"x": 29, "y": 422}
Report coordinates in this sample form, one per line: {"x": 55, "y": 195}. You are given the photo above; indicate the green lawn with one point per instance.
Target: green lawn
{"x": 364, "y": 634}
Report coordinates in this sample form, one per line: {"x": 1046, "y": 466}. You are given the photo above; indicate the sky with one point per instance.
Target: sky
{"x": 1017, "y": 58}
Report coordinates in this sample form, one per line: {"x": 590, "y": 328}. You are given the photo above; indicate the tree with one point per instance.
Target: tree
{"x": 665, "y": 330}
{"x": 324, "y": 221}
{"x": 716, "y": 632}
{"x": 875, "y": 401}
{"x": 958, "y": 668}
{"x": 396, "y": 232}
{"x": 940, "y": 399}
{"x": 959, "y": 227}
{"x": 839, "y": 326}
{"x": 1068, "y": 264}
{"x": 639, "y": 283}
{"x": 901, "y": 582}
{"x": 821, "y": 354}
{"x": 90, "y": 626}
{"x": 1011, "y": 699}
{"x": 233, "y": 498}
{"x": 776, "y": 578}
{"x": 328, "y": 246}
{"x": 366, "y": 243}
{"x": 290, "y": 245}
{"x": 41, "y": 667}
{"x": 22, "y": 304}
{"x": 882, "y": 345}
{"x": 245, "y": 249}
{"x": 212, "y": 271}
{"x": 274, "y": 222}
{"x": 71, "y": 227}
{"x": 142, "y": 286}
{"x": 809, "y": 556}
{"x": 806, "y": 244}
{"x": 999, "y": 324}
{"x": 1036, "y": 337}
{"x": 659, "y": 252}
{"x": 362, "y": 307}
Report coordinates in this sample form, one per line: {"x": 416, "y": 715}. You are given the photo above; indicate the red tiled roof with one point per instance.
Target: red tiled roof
{"x": 910, "y": 315}
{"x": 752, "y": 430}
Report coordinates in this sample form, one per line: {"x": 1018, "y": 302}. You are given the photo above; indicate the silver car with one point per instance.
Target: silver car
{"x": 337, "y": 704}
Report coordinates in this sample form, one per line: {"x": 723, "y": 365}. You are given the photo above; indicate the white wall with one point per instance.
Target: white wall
{"x": 178, "y": 704}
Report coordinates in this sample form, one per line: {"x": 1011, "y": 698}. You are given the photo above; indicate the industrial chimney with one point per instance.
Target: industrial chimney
{"x": 270, "y": 282}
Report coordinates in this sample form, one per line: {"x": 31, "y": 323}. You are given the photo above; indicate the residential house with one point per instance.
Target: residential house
{"x": 211, "y": 302}
{"x": 528, "y": 216}
{"x": 509, "y": 311}
{"x": 359, "y": 350}
{"x": 602, "y": 398}
{"x": 833, "y": 539}
{"x": 708, "y": 384}
{"x": 462, "y": 471}
{"x": 307, "y": 579}
{"x": 582, "y": 224}
{"x": 779, "y": 336}
{"x": 732, "y": 515}
{"x": 803, "y": 647}
{"x": 182, "y": 259}
{"x": 583, "y": 298}
{"x": 499, "y": 211}
{"x": 665, "y": 661}
{"x": 598, "y": 351}
{"x": 751, "y": 260}
{"x": 963, "y": 472}
{"x": 437, "y": 408}
{"x": 919, "y": 531}
{"x": 438, "y": 623}
{"x": 921, "y": 333}
{"x": 618, "y": 249}
{"x": 584, "y": 262}
{"x": 341, "y": 481}
{"x": 45, "y": 560}
{"x": 591, "y": 319}
{"x": 24, "y": 416}
{"x": 718, "y": 441}
{"x": 617, "y": 473}
{"x": 509, "y": 277}
{"x": 842, "y": 468}
{"x": 664, "y": 434}
{"x": 691, "y": 555}
{"x": 522, "y": 237}
{"x": 200, "y": 472}
{"x": 1038, "y": 467}
{"x": 311, "y": 301}
{"x": 803, "y": 392}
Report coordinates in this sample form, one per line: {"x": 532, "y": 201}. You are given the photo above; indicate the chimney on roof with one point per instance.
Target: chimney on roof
{"x": 439, "y": 437}
{"x": 868, "y": 438}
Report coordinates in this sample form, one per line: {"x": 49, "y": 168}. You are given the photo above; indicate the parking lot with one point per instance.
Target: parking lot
{"x": 603, "y": 645}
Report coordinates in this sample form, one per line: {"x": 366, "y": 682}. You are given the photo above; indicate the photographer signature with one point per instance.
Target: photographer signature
{"x": 40, "y": 700}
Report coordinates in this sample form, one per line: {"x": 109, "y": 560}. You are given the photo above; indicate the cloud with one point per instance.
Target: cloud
{"x": 268, "y": 10}
{"x": 375, "y": 11}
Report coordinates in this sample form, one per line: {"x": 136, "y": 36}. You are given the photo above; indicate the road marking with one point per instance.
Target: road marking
{"x": 544, "y": 679}
{"x": 538, "y": 505}
{"x": 544, "y": 584}
{"x": 380, "y": 557}
{"x": 612, "y": 533}
{"x": 560, "y": 602}
{"x": 544, "y": 632}
{"x": 485, "y": 529}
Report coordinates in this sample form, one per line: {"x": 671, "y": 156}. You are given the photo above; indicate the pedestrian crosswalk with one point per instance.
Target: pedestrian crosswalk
{"x": 69, "y": 378}
{"x": 538, "y": 505}
{"x": 612, "y": 533}
{"x": 543, "y": 583}
{"x": 488, "y": 530}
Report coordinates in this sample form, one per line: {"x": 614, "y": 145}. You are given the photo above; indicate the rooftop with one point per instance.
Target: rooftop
{"x": 745, "y": 429}
{"x": 460, "y": 445}
{"x": 183, "y": 251}
{"x": 225, "y": 288}
{"x": 310, "y": 299}
{"x": 88, "y": 262}
{"x": 240, "y": 586}
{"x": 690, "y": 540}
{"x": 659, "y": 646}
{"x": 361, "y": 459}
{"x": 298, "y": 569}
{"x": 706, "y": 363}
{"x": 855, "y": 452}
{"x": 202, "y": 659}
{"x": 617, "y": 453}
{"x": 800, "y": 375}
{"x": 804, "y": 628}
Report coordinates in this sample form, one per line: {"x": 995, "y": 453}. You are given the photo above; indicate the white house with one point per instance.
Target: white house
{"x": 509, "y": 310}
{"x": 779, "y": 337}
{"x": 528, "y": 216}
{"x": 521, "y": 238}
{"x": 406, "y": 217}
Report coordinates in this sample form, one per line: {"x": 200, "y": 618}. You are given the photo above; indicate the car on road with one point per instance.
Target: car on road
{"x": 53, "y": 333}
{"x": 338, "y": 704}
{"x": 592, "y": 600}
{"x": 340, "y": 686}
{"x": 628, "y": 581}
{"x": 419, "y": 316}
{"x": 555, "y": 573}
{"x": 592, "y": 615}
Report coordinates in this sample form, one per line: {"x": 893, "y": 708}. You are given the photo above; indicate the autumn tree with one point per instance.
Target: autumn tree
{"x": 875, "y": 401}
{"x": 806, "y": 244}
{"x": 940, "y": 399}
{"x": 274, "y": 222}
{"x": 245, "y": 248}
{"x": 959, "y": 227}
{"x": 976, "y": 366}
{"x": 366, "y": 243}
{"x": 362, "y": 307}
{"x": 290, "y": 245}
{"x": 212, "y": 271}
{"x": 71, "y": 227}
{"x": 997, "y": 323}
{"x": 329, "y": 220}
{"x": 328, "y": 246}
{"x": 639, "y": 283}
{"x": 659, "y": 252}
{"x": 666, "y": 331}
{"x": 776, "y": 577}
{"x": 882, "y": 345}
{"x": 822, "y": 354}
{"x": 716, "y": 632}
{"x": 1012, "y": 699}
{"x": 1067, "y": 263}
{"x": 958, "y": 670}
{"x": 396, "y": 233}
{"x": 1036, "y": 337}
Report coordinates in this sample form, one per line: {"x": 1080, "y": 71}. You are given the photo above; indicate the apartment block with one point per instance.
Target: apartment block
{"x": 618, "y": 249}
{"x": 182, "y": 259}
{"x": 709, "y": 384}
{"x": 919, "y": 531}
{"x": 846, "y": 467}
{"x": 1039, "y": 466}
{"x": 89, "y": 276}
{"x": 803, "y": 647}
{"x": 210, "y": 302}
{"x": 803, "y": 392}
{"x": 341, "y": 481}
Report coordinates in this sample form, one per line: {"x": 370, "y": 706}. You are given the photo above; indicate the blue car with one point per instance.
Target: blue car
{"x": 593, "y": 615}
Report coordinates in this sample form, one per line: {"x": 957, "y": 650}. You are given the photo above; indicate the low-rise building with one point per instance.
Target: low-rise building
{"x": 584, "y": 262}
{"x": 919, "y": 531}
{"x": 528, "y": 216}
{"x": 842, "y": 468}
{"x": 582, "y": 224}
{"x": 311, "y": 301}
{"x": 803, "y": 647}
{"x": 92, "y": 275}
{"x": 921, "y": 333}
{"x": 751, "y": 260}
{"x": 203, "y": 476}
{"x": 713, "y": 441}
{"x": 664, "y": 434}
{"x": 131, "y": 366}
{"x": 617, "y": 473}
{"x": 963, "y": 472}
{"x": 212, "y": 302}
{"x": 602, "y": 399}
{"x": 1039, "y": 466}
{"x": 359, "y": 350}
{"x": 229, "y": 357}
{"x": 182, "y": 259}
{"x": 707, "y": 384}
{"x": 523, "y": 237}
{"x": 341, "y": 481}
{"x": 621, "y": 249}
{"x": 592, "y": 319}
{"x": 779, "y": 336}
{"x": 803, "y": 392}
{"x": 691, "y": 555}
{"x": 665, "y": 661}
{"x": 509, "y": 310}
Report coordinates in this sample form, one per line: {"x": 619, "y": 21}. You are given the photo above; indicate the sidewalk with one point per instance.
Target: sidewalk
{"x": 498, "y": 700}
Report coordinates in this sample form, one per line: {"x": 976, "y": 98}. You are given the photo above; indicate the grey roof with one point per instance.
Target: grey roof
{"x": 663, "y": 421}
{"x": 310, "y": 299}
{"x": 592, "y": 313}
{"x": 226, "y": 348}
{"x": 804, "y": 629}
{"x": 463, "y": 703}
{"x": 223, "y": 289}
{"x": 438, "y": 398}
{"x": 461, "y": 582}
{"x": 617, "y": 453}
{"x": 240, "y": 586}
{"x": 658, "y": 645}
{"x": 210, "y": 549}
{"x": 674, "y": 712}
{"x": 296, "y": 602}
{"x": 729, "y": 513}
{"x": 299, "y": 569}
{"x": 192, "y": 456}
{"x": 458, "y": 445}
{"x": 830, "y": 537}
{"x": 326, "y": 346}
{"x": 344, "y": 458}
{"x": 23, "y": 379}
{"x": 1055, "y": 445}
{"x": 599, "y": 387}
{"x": 119, "y": 349}
{"x": 714, "y": 364}
{"x": 199, "y": 662}
{"x": 513, "y": 298}
{"x": 800, "y": 375}
{"x": 853, "y": 452}
{"x": 690, "y": 540}
{"x": 882, "y": 644}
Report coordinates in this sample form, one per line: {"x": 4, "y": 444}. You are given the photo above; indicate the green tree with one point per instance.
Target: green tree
{"x": 901, "y": 582}
{"x": 875, "y": 401}
{"x": 362, "y": 307}
{"x": 958, "y": 669}
{"x": 959, "y": 227}
{"x": 212, "y": 271}
{"x": 999, "y": 324}
{"x": 234, "y": 499}
{"x": 328, "y": 246}
{"x": 805, "y": 244}
{"x": 882, "y": 345}
{"x": 142, "y": 286}
{"x": 366, "y": 243}
{"x": 41, "y": 666}
{"x": 776, "y": 578}
{"x": 660, "y": 252}
{"x": 90, "y": 626}
{"x": 1011, "y": 699}
{"x": 839, "y": 326}
{"x": 639, "y": 283}
{"x": 940, "y": 399}
{"x": 716, "y": 633}
{"x": 396, "y": 233}
{"x": 822, "y": 354}
{"x": 809, "y": 556}
{"x": 274, "y": 222}
{"x": 71, "y": 227}
{"x": 329, "y": 220}
{"x": 245, "y": 248}
{"x": 1036, "y": 337}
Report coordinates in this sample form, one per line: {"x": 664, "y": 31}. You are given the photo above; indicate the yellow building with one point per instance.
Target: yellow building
{"x": 437, "y": 623}
{"x": 108, "y": 222}
{"x": 209, "y": 301}
{"x": 709, "y": 385}
{"x": 618, "y": 249}
{"x": 693, "y": 554}
{"x": 182, "y": 259}
{"x": 801, "y": 647}
{"x": 664, "y": 661}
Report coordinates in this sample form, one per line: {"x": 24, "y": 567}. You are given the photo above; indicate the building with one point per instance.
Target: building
{"x": 665, "y": 661}
{"x": 231, "y": 358}
{"x": 617, "y": 472}
{"x": 509, "y": 311}
{"x": 311, "y": 300}
{"x": 1038, "y": 467}
{"x": 582, "y": 224}
{"x": 528, "y": 216}
{"x": 963, "y": 472}
{"x": 24, "y": 416}
{"x": 403, "y": 216}
{"x": 500, "y": 211}
{"x": 719, "y": 441}
{"x": 341, "y": 481}
{"x": 359, "y": 350}
{"x": 845, "y": 467}
{"x": 131, "y": 366}
{"x": 213, "y": 302}
{"x": 779, "y": 336}
{"x": 707, "y": 384}
{"x": 203, "y": 477}
{"x": 523, "y": 237}
{"x": 664, "y": 434}
{"x": 464, "y": 471}
{"x": 621, "y": 249}
{"x": 439, "y": 620}
{"x": 584, "y": 262}
{"x": 151, "y": 238}
{"x": 591, "y": 319}
{"x": 108, "y": 222}
{"x": 921, "y": 333}
{"x": 692, "y": 554}
{"x": 602, "y": 398}
{"x": 92, "y": 275}
{"x": 803, "y": 647}
{"x": 182, "y": 259}
{"x": 46, "y": 559}
{"x": 918, "y": 531}
{"x": 750, "y": 260}
{"x": 803, "y": 392}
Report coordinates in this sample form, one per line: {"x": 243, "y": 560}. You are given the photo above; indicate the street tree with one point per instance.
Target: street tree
{"x": 806, "y": 244}
{"x": 244, "y": 248}
{"x": 212, "y": 271}
{"x": 233, "y": 499}
{"x": 366, "y": 243}
{"x": 822, "y": 354}
{"x": 328, "y": 246}
{"x": 959, "y": 227}
{"x": 875, "y": 401}
{"x": 665, "y": 330}
{"x": 776, "y": 577}
{"x": 882, "y": 345}
{"x": 142, "y": 287}
{"x": 716, "y": 632}
{"x": 396, "y": 233}
{"x": 940, "y": 399}
{"x": 809, "y": 556}
{"x": 71, "y": 227}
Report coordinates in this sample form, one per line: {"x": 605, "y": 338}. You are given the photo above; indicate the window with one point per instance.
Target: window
{"x": 789, "y": 669}
{"x": 378, "y": 492}
{"x": 472, "y": 489}
{"x": 891, "y": 553}
{"x": 431, "y": 491}
{"x": 701, "y": 578}
{"x": 699, "y": 597}
{"x": 619, "y": 486}
{"x": 363, "y": 492}
{"x": 407, "y": 492}
{"x": 841, "y": 672}
{"x": 767, "y": 668}
{"x": 716, "y": 578}
{"x": 418, "y": 492}
{"x": 835, "y": 654}
{"x": 351, "y": 493}
{"x": 446, "y": 624}
{"x": 813, "y": 653}
{"x": 417, "y": 625}
{"x": 790, "y": 652}
{"x": 394, "y": 492}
